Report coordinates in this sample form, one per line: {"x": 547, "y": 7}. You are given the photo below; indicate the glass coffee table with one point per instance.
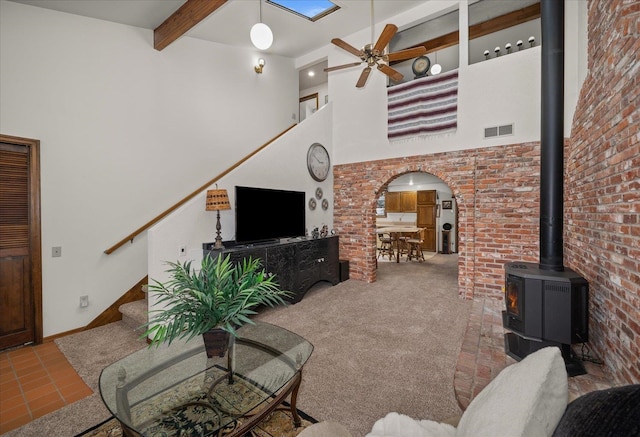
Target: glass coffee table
{"x": 176, "y": 390}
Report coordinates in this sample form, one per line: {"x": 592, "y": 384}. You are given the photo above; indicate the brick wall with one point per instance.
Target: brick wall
{"x": 602, "y": 189}
{"x": 497, "y": 192}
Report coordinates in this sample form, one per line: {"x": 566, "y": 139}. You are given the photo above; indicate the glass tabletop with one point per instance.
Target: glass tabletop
{"x": 166, "y": 389}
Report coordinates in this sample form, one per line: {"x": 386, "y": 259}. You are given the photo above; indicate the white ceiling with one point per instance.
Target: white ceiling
{"x": 230, "y": 24}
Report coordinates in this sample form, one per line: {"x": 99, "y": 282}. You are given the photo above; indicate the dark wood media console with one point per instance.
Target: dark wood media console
{"x": 297, "y": 264}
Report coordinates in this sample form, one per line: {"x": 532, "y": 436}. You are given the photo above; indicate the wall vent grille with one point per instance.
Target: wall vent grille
{"x": 498, "y": 131}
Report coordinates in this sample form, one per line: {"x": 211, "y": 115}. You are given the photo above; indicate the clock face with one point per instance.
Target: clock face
{"x": 421, "y": 65}
{"x": 318, "y": 162}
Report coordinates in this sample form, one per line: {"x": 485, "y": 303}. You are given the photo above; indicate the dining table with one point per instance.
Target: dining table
{"x": 395, "y": 232}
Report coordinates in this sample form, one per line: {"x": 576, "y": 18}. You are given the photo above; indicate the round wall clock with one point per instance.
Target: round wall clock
{"x": 318, "y": 162}
{"x": 421, "y": 66}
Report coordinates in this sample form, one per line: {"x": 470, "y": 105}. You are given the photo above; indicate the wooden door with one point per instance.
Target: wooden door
{"x": 20, "y": 252}
{"x": 426, "y": 218}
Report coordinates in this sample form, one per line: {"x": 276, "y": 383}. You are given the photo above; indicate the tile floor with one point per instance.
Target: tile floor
{"x": 34, "y": 381}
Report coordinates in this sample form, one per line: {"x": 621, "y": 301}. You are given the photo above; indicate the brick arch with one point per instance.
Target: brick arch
{"x": 497, "y": 191}
{"x": 354, "y": 209}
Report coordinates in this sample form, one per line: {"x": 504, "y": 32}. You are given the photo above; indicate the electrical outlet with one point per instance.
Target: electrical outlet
{"x": 56, "y": 251}
{"x": 84, "y": 301}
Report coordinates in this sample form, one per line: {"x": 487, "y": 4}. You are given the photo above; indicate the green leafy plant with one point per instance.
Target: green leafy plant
{"x": 219, "y": 295}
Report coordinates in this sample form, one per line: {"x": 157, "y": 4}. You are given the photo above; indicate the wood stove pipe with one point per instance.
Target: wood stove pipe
{"x": 552, "y": 135}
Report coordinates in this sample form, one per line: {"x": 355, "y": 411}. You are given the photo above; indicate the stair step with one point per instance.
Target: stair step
{"x": 134, "y": 314}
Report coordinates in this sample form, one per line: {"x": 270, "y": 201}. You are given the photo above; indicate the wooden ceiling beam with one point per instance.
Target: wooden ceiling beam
{"x": 505, "y": 21}
{"x": 188, "y": 15}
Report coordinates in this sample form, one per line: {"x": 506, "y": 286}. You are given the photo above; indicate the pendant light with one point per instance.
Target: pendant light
{"x": 436, "y": 68}
{"x": 261, "y": 35}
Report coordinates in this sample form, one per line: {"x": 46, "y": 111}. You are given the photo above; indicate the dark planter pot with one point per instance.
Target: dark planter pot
{"x": 216, "y": 342}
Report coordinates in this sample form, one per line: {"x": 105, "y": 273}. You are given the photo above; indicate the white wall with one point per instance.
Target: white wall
{"x": 191, "y": 225}
{"x": 322, "y": 90}
{"x": 496, "y": 92}
{"x": 501, "y": 91}
{"x": 126, "y": 132}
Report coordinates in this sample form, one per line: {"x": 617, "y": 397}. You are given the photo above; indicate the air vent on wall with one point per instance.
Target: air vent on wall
{"x": 498, "y": 131}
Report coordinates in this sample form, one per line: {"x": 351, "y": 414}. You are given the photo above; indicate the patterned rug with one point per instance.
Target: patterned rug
{"x": 200, "y": 405}
{"x": 278, "y": 424}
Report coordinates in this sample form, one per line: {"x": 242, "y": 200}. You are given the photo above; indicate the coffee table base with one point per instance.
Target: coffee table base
{"x": 252, "y": 420}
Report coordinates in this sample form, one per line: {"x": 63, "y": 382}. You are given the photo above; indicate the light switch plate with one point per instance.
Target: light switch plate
{"x": 56, "y": 251}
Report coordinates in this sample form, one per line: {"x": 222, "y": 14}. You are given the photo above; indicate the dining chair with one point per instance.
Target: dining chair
{"x": 385, "y": 246}
{"x": 415, "y": 246}
{"x": 403, "y": 243}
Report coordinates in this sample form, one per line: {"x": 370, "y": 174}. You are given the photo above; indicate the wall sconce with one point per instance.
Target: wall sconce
{"x": 497, "y": 51}
{"x": 218, "y": 200}
{"x": 261, "y": 34}
{"x": 258, "y": 67}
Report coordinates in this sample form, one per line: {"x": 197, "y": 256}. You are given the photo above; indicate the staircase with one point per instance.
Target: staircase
{"x": 134, "y": 314}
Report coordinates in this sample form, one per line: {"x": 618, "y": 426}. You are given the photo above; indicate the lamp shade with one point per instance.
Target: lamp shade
{"x": 217, "y": 200}
{"x": 261, "y": 36}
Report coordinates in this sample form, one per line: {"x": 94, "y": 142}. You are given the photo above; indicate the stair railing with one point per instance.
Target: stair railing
{"x": 141, "y": 229}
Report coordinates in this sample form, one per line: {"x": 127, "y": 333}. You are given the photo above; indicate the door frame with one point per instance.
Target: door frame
{"x": 35, "y": 235}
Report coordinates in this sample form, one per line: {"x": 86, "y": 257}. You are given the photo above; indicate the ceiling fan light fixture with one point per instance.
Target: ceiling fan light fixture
{"x": 261, "y": 36}
{"x": 374, "y": 56}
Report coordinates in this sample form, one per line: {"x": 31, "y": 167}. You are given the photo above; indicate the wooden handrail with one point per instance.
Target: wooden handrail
{"x": 146, "y": 226}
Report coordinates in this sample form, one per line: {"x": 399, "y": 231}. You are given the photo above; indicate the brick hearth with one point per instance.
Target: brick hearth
{"x": 482, "y": 356}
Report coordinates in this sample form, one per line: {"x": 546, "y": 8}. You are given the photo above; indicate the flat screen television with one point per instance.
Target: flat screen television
{"x": 264, "y": 214}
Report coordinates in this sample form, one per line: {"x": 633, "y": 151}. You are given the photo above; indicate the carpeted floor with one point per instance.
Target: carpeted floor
{"x": 387, "y": 346}
{"x": 391, "y": 345}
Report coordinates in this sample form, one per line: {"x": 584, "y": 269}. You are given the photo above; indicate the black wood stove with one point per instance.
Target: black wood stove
{"x": 546, "y": 303}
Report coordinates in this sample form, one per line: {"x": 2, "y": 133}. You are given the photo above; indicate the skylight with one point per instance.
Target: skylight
{"x": 312, "y": 10}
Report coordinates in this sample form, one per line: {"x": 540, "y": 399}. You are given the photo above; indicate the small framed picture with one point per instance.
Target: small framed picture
{"x": 447, "y": 204}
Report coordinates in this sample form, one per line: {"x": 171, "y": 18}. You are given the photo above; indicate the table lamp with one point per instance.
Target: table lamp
{"x": 218, "y": 200}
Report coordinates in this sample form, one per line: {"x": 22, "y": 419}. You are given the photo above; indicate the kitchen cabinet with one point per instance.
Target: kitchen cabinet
{"x": 400, "y": 201}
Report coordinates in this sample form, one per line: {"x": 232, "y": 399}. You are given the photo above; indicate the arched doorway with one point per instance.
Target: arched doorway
{"x": 424, "y": 200}
{"x": 357, "y": 187}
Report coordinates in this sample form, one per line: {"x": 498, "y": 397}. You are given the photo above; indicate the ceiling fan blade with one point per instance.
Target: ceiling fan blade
{"x": 392, "y": 73}
{"x": 348, "y": 47}
{"x": 363, "y": 77}
{"x": 407, "y": 54}
{"x": 386, "y": 35}
{"x": 340, "y": 67}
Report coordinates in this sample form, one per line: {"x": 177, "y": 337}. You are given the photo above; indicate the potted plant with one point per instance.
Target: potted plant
{"x": 213, "y": 302}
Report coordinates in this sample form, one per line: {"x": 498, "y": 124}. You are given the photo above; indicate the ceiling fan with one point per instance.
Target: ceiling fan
{"x": 373, "y": 54}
